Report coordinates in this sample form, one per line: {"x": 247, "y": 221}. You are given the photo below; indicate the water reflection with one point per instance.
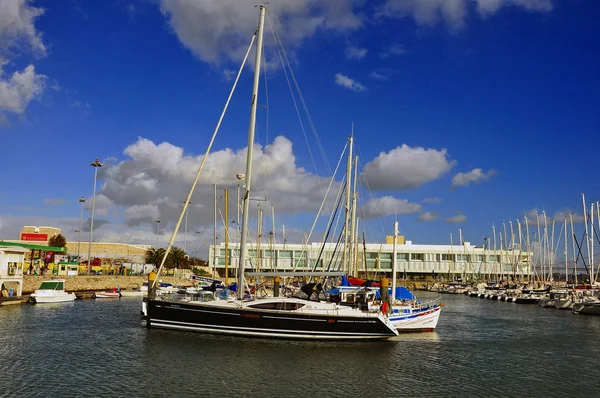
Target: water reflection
{"x": 480, "y": 348}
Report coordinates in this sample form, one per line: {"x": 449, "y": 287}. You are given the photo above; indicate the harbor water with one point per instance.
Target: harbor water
{"x": 481, "y": 348}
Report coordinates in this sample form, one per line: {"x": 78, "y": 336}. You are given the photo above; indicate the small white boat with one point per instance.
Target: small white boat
{"x": 107, "y": 295}
{"x": 52, "y": 291}
{"x": 134, "y": 291}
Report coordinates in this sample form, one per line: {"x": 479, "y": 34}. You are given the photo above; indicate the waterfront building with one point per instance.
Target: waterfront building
{"x": 37, "y": 237}
{"x": 12, "y": 259}
{"x": 414, "y": 261}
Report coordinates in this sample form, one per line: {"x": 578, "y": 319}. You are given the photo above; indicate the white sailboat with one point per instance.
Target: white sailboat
{"x": 281, "y": 317}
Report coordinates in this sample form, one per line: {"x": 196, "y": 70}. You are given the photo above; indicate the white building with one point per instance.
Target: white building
{"x": 413, "y": 261}
{"x": 12, "y": 259}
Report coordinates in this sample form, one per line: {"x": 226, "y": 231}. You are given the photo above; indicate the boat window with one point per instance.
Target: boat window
{"x": 446, "y": 257}
{"x": 277, "y": 305}
{"x": 402, "y": 256}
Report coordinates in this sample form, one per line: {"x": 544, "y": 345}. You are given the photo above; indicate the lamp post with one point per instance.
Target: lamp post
{"x": 82, "y": 201}
{"x": 157, "y": 232}
{"x": 95, "y": 164}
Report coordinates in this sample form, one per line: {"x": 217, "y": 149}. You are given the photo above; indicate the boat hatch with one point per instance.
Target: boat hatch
{"x": 277, "y": 305}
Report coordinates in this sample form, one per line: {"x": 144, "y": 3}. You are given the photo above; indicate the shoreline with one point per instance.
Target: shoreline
{"x": 94, "y": 283}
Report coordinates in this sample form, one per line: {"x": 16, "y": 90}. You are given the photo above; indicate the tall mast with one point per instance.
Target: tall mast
{"x": 573, "y": 246}
{"x": 566, "y": 256}
{"x": 495, "y": 254}
{"x": 585, "y": 222}
{"x": 345, "y": 265}
{"x": 352, "y": 251}
{"x": 252, "y": 126}
{"x": 520, "y": 248}
{"x": 214, "y": 256}
{"x": 530, "y": 262}
{"x": 592, "y": 244}
{"x": 394, "y": 265}
{"x": 226, "y": 199}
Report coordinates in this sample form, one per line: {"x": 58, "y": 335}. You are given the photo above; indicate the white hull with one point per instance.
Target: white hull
{"x": 425, "y": 321}
{"x": 40, "y": 298}
{"x": 131, "y": 293}
{"x": 106, "y": 295}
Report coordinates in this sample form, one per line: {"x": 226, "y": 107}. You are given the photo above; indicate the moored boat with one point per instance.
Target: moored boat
{"x": 52, "y": 291}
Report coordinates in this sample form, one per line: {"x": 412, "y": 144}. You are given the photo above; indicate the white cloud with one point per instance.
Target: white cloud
{"x": 394, "y": 49}
{"x": 348, "y": 83}
{"x": 18, "y": 34}
{"x": 54, "y": 202}
{"x": 214, "y": 30}
{"x": 378, "y": 76}
{"x": 355, "y": 52}
{"x": 155, "y": 179}
{"x": 17, "y": 27}
{"x": 457, "y": 219}
{"x": 19, "y": 90}
{"x": 488, "y": 7}
{"x": 405, "y": 167}
{"x": 387, "y": 205}
{"x": 474, "y": 176}
{"x": 432, "y": 200}
{"x": 453, "y": 12}
{"x": 427, "y": 216}
{"x": 559, "y": 216}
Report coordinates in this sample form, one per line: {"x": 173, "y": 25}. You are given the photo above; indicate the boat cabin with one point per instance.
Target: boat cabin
{"x": 11, "y": 269}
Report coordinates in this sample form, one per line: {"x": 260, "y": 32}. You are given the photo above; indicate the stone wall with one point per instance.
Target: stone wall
{"x": 94, "y": 283}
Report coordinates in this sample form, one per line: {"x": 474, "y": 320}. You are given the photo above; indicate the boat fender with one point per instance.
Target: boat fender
{"x": 384, "y": 307}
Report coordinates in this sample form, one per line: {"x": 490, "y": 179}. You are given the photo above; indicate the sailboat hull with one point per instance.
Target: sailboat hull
{"x": 237, "y": 318}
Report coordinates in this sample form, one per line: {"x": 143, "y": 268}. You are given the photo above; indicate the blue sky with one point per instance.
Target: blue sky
{"x": 488, "y": 106}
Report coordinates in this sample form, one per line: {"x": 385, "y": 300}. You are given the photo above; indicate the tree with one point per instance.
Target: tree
{"x": 58, "y": 241}
{"x": 154, "y": 256}
{"x": 177, "y": 258}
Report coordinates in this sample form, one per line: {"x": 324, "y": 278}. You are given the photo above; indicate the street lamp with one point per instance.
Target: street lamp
{"x": 82, "y": 201}
{"x": 95, "y": 164}
{"x": 157, "y": 232}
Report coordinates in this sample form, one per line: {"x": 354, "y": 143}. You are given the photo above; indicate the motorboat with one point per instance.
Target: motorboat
{"x": 113, "y": 294}
{"x": 52, "y": 291}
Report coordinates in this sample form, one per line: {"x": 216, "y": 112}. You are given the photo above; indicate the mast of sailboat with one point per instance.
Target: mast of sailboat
{"x": 566, "y": 256}
{"x": 528, "y": 242}
{"x": 585, "y": 222}
{"x": 226, "y": 200}
{"x": 520, "y": 249}
{"x": 353, "y": 257}
{"x": 592, "y": 244}
{"x": 345, "y": 253}
{"x": 394, "y": 263}
{"x": 251, "y": 128}
{"x": 215, "y": 232}
{"x": 575, "y": 256}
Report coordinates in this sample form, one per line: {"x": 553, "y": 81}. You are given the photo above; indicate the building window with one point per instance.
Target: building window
{"x": 385, "y": 256}
{"x": 284, "y": 254}
{"x": 416, "y": 256}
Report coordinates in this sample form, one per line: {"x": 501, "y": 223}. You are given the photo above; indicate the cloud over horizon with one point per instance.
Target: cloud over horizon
{"x": 405, "y": 168}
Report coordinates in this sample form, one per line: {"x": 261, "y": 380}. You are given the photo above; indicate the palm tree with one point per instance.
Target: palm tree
{"x": 177, "y": 257}
{"x": 154, "y": 256}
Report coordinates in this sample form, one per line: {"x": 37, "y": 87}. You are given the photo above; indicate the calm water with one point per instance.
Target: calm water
{"x": 481, "y": 348}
